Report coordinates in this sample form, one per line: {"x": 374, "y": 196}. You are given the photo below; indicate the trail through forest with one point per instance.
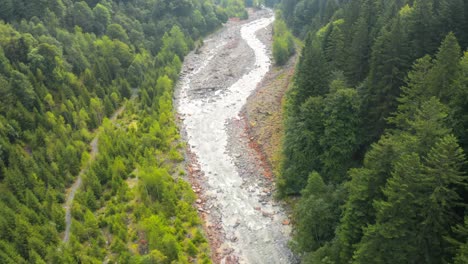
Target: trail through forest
{"x": 235, "y": 197}
{"x": 70, "y": 194}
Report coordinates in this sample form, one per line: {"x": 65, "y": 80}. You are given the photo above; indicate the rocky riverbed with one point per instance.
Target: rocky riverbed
{"x": 243, "y": 222}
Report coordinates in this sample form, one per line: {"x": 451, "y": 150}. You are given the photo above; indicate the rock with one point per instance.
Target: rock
{"x": 286, "y": 222}
{"x": 198, "y": 201}
{"x": 257, "y": 208}
{"x": 266, "y": 214}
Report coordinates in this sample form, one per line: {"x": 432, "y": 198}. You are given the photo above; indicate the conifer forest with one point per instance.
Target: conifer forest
{"x": 127, "y": 135}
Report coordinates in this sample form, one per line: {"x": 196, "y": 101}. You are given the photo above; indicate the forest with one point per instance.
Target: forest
{"x": 65, "y": 67}
{"x": 377, "y": 131}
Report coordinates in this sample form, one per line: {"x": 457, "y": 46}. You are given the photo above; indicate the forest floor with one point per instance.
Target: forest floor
{"x": 227, "y": 166}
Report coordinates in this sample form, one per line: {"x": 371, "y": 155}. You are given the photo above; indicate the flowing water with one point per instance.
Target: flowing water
{"x": 258, "y": 239}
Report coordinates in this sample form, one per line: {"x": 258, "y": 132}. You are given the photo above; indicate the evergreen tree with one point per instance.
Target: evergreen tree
{"x": 414, "y": 93}
{"x": 442, "y": 180}
{"x": 339, "y": 141}
{"x": 315, "y": 215}
{"x": 366, "y": 186}
{"x": 388, "y": 66}
{"x": 421, "y": 26}
{"x": 459, "y": 103}
{"x": 396, "y": 224}
{"x": 462, "y": 246}
{"x": 312, "y": 75}
{"x": 357, "y": 66}
{"x": 301, "y": 146}
{"x": 446, "y": 68}
{"x": 335, "y": 48}
{"x": 451, "y": 16}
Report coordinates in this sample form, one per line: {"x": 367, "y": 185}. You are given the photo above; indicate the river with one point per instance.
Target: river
{"x": 214, "y": 86}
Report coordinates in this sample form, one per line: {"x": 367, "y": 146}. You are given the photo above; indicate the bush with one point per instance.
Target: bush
{"x": 283, "y": 43}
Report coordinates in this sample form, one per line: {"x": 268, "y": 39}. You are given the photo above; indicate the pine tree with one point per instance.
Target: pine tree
{"x": 301, "y": 147}
{"x": 312, "y": 74}
{"x": 442, "y": 180}
{"x": 461, "y": 230}
{"x": 414, "y": 93}
{"x": 451, "y": 16}
{"x": 396, "y": 224}
{"x": 339, "y": 141}
{"x": 446, "y": 68}
{"x": 315, "y": 215}
{"x": 429, "y": 124}
{"x": 357, "y": 66}
{"x": 459, "y": 103}
{"x": 388, "y": 66}
{"x": 335, "y": 48}
{"x": 421, "y": 28}
{"x": 366, "y": 186}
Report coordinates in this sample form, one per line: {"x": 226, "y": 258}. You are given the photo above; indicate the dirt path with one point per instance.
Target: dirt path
{"x": 70, "y": 193}
{"x": 236, "y": 200}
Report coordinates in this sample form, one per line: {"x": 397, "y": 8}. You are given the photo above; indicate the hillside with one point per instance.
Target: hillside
{"x": 65, "y": 68}
{"x": 376, "y": 128}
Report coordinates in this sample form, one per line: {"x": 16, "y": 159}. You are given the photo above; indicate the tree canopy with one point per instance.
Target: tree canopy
{"x": 375, "y": 136}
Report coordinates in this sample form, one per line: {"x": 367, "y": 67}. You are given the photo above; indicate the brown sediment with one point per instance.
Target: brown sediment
{"x": 263, "y": 116}
{"x": 254, "y": 145}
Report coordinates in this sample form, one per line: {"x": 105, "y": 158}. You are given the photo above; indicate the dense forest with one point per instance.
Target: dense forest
{"x": 65, "y": 67}
{"x": 377, "y": 131}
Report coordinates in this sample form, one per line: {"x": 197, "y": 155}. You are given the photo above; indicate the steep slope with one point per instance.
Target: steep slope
{"x": 375, "y": 131}
{"x": 65, "y": 67}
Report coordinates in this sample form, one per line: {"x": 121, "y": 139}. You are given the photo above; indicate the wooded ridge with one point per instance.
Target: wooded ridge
{"x": 376, "y": 131}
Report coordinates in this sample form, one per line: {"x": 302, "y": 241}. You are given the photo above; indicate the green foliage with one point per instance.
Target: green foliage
{"x": 316, "y": 215}
{"x": 65, "y": 68}
{"x": 283, "y": 42}
{"x": 323, "y": 137}
{"x": 234, "y": 8}
{"x": 388, "y": 140}
{"x": 301, "y": 146}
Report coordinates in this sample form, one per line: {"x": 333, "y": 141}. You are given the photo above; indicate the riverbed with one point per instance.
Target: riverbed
{"x": 214, "y": 86}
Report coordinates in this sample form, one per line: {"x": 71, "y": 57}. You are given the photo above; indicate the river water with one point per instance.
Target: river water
{"x": 258, "y": 239}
